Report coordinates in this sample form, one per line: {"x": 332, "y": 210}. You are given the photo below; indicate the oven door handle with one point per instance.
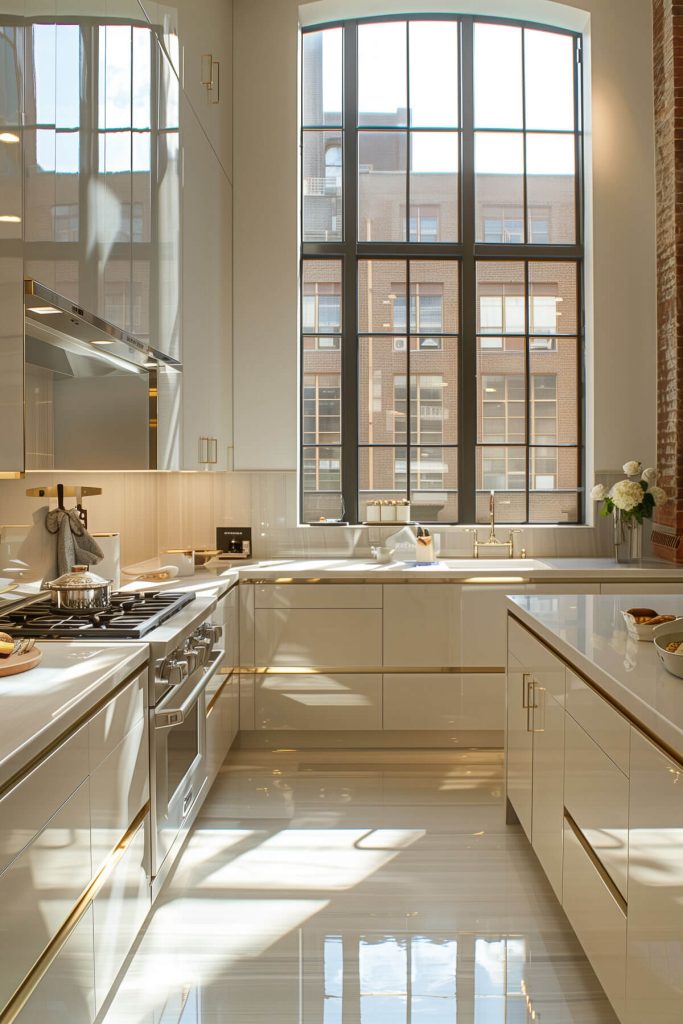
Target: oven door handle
{"x": 168, "y": 717}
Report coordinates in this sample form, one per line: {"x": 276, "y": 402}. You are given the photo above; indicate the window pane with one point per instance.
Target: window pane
{"x": 551, "y": 177}
{"x": 553, "y": 485}
{"x": 555, "y": 376}
{"x": 435, "y": 296}
{"x": 549, "y": 80}
{"x": 322, "y": 77}
{"x": 433, "y": 484}
{"x": 499, "y": 186}
{"x": 321, "y": 311}
{"x": 500, "y": 298}
{"x": 502, "y": 407}
{"x": 116, "y": 42}
{"x": 434, "y": 74}
{"x": 382, "y": 163}
{"x": 434, "y": 160}
{"x": 497, "y": 76}
{"x": 382, "y": 54}
{"x": 142, "y": 78}
{"x": 382, "y": 474}
{"x": 321, "y": 175}
{"x": 503, "y": 470}
{"x": 382, "y": 367}
{"x": 556, "y": 280}
{"x": 67, "y": 82}
{"x": 381, "y": 283}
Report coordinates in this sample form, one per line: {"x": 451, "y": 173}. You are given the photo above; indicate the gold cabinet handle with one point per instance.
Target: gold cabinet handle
{"x": 527, "y": 683}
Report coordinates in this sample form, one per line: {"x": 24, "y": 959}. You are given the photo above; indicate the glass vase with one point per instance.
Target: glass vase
{"x": 628, "y": 539}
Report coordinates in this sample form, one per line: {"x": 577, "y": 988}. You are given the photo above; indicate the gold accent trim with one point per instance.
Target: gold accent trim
{"x": 628, "y": 715}
{"x": 283, "y": 581}
{"x": 40, "y": 968}
{"x": 387, "y": 670}
{"x": 597, "y": 864}
{"x": 218, "y": 693}
{"x": 64, "y": 736}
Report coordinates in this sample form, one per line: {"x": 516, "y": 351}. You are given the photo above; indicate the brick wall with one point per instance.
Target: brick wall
{"x": 668, "y": 100}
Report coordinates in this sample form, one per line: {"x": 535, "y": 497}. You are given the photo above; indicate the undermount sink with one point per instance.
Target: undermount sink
{"x": 488, "y": 565}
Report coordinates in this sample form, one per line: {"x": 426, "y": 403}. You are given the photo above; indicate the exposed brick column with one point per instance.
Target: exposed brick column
{"x": 668, "y": 99}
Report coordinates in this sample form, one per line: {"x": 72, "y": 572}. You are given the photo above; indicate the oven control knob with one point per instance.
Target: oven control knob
{"x": 174, "y": 670}
{"x": 203, "y": 644}
{"x": 215, "y": 632}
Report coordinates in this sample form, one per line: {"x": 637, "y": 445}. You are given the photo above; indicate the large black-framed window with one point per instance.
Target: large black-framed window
{"x": 441, "y": 269}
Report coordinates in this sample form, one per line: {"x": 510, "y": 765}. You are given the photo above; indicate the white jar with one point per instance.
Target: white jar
{"x": 388, "y": 513}
{"x": 403, "y": 513}
{"x": 372, "y": 513}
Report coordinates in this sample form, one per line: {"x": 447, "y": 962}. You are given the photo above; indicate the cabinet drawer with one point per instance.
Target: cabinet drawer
{"x": 462, "y": 701}
{"x": 26, "y": 807}
{"x": 116, "y": 719}
{"x": 538, "y": 661}
{"x": 39, "y": 888}
{"x": 318, "y": 637}
{"x": 67, "y": 991}
{"x": 220, "y": 726}
{"x": 596, "y": 917}
{"x": 119, "y": 787}
{"x": 308, "y": 595}
{"x": 599, "y": 719}
{"x": 319, "y": 702}
{"x": 422, "y": 625}
{"x": 119, "y": 910}
{"x": 596, "y": 796}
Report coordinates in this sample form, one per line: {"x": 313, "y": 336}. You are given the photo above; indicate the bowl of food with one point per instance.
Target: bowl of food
{"x": 668, "y": 640}
{"x": 642, "y": 622}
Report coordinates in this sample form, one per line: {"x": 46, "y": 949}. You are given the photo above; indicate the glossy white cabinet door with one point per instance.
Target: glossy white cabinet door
{"x": 119, "y": 910}
{"x": 40, "y": 886}
{"x": 422, "y": 625}
{"x": 655, "y": 887}
{"x": 119, "y": 788}
{"x": 452, "y": 701}
{"x": 319, "y": 702}
{"x": 113, "y": 723}
{"x": 324, "y": 595}
{"x": 596, "y": 794}
{"x": 318, "y": 637}
{"x": 220, "y": 726}
{"x": 67, "y": 991}
{"x": 598, "y": 920}
{"x": 544, "y": 666}
{"x": 483, "y": 616}
{"x": 547, "y": 818}
{"x": 603, "y": 723}
{"x": 519, "y": 743}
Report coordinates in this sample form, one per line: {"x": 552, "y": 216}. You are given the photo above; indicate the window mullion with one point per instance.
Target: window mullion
{"x": 467, "y": 352}
{"x": 349, "y": 359}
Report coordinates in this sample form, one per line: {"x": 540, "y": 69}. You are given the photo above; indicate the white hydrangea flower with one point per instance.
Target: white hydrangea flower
{"x": 627, "y": 495}
{"x": 632, "y": 468}
{"x": 599, "y": 492}
{"x": 649, "y": 475}
{"x": 659, "y": 495}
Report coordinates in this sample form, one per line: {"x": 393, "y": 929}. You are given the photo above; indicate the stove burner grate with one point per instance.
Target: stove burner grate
{"x": 129, "y": 617}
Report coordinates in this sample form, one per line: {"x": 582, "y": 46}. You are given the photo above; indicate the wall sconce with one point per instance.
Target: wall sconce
{"x": 211, "y": 77}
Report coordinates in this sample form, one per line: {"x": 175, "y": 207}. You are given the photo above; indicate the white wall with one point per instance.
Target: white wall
{"x": 620, "y": 217}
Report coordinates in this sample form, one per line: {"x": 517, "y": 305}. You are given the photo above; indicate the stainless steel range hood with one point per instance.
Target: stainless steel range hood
{"x": 59, "y": 321}
{"x": 96, "y": 397}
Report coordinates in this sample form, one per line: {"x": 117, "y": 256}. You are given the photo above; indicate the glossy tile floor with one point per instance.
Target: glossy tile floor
{"x": 358, "y": 888}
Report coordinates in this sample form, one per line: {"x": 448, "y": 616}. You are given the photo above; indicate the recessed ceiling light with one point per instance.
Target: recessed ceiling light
{"x": 9, "y": 218}
{"x": 44, "y": 310}
{"x": 8, "y": 137}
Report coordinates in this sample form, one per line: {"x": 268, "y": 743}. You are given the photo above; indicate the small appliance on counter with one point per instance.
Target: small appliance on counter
{"x": 233, "y": 542}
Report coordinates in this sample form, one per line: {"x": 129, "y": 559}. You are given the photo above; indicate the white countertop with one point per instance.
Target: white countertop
{"x": 43, "y": 704}
{"x": 541, "y": 570}
{"x": 589, "y": 632}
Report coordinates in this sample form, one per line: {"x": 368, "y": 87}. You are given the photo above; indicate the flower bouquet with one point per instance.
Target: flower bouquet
{"x": 630, "y": 501}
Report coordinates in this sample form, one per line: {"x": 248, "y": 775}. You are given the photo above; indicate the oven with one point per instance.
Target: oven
{"x": 178, "y": 762}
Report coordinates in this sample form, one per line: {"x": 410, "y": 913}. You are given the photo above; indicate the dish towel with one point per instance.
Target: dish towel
{"x": 75, "y": 546}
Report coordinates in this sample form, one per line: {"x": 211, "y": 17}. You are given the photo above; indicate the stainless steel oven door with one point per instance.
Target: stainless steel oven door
{"x": 178, "y": 758}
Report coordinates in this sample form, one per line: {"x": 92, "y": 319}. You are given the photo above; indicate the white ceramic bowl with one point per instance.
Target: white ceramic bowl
{"x": 643, "y": 630}
{"x": 665, "y": 634}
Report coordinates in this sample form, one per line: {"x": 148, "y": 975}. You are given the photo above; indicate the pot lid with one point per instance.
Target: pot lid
{"x": 78, "y": 579}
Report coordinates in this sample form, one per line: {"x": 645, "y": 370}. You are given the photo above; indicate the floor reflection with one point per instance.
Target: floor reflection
{"x": 358, "y": 888}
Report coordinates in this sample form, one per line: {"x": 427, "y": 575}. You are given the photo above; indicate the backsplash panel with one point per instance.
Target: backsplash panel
{"x": 157, "y": 511}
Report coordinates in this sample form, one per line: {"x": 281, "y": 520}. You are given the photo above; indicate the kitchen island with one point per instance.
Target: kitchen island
{"x": 594, "y": 775}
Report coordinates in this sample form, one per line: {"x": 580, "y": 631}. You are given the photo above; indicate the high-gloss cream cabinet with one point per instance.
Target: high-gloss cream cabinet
{"x": 654, "y": 982}
{"x": 444, "y": 701}
{"x": 61, "y": 826}
{"x": 422, "y": 625}
{"x": 519, "y": 742}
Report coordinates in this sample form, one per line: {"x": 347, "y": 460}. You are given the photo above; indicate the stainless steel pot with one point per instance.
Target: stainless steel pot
{"x": 80, "y": 591}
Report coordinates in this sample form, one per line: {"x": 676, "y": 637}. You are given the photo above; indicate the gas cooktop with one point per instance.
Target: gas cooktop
{"x": 128, "y": 617}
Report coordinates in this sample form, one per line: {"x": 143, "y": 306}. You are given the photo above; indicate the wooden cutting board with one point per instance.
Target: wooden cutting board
{"x": 20, "y": 662}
